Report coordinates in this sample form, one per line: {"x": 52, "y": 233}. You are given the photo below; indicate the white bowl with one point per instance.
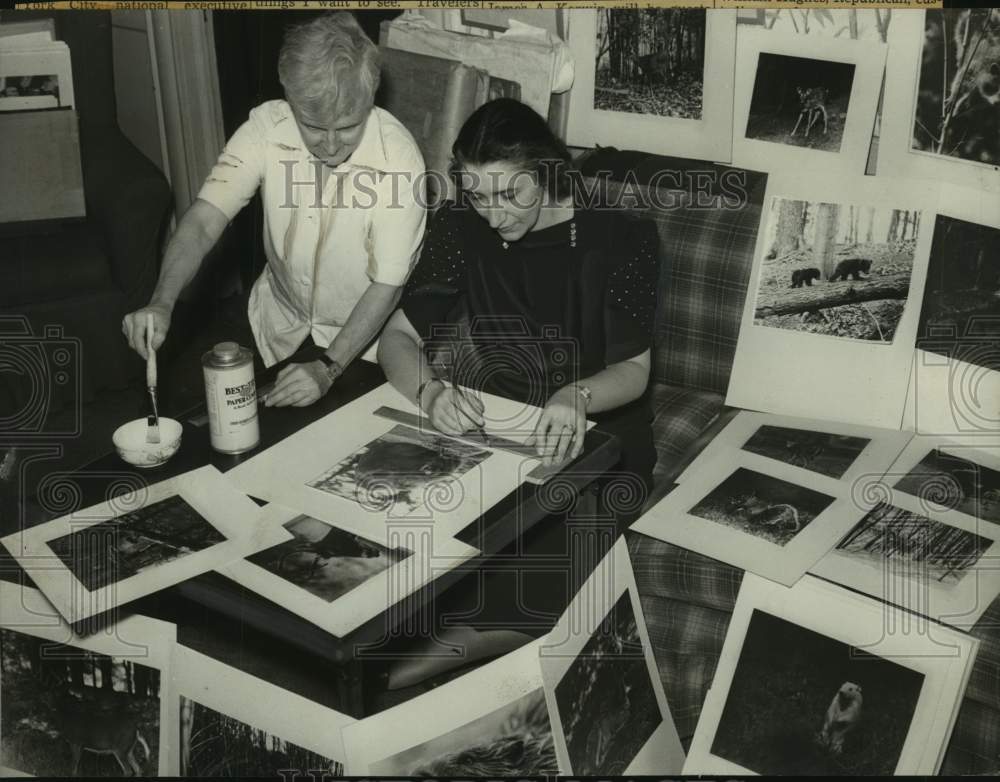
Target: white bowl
{"x": 130, "y": 441}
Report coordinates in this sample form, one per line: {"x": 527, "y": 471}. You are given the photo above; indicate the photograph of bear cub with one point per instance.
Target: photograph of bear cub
{"x": 842, "y": 270}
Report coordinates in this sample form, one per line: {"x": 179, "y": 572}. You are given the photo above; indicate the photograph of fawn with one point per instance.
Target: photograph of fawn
{"x": 69, "y": 712}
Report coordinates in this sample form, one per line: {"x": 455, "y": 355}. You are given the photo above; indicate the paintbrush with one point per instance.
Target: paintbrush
{"x": 153, "y": 421}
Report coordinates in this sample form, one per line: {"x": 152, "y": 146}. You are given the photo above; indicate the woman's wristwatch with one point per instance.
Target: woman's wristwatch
{"x": 584, "y": 393}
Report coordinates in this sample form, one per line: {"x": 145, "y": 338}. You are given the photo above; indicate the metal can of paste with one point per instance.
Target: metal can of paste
{"x": 231, "y": 398}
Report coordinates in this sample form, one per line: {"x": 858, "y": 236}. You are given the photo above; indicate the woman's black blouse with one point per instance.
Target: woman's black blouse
{"x": 523, "y": 319}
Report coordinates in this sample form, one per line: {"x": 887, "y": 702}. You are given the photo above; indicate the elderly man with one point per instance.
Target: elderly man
{"x": 342, "y": 221}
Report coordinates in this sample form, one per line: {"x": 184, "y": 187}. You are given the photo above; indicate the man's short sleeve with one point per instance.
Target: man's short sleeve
{"x": 239, "y": 170}
{"x": 398, "y": 222}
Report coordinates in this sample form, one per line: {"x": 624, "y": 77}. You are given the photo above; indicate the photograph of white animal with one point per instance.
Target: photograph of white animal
{"x": 842, "y": 716}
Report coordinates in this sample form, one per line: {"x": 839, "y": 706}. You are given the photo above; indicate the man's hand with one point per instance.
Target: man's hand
{"x": 299, "y": 385}
{"x": 134, "y": 327}
{"x": 452, "y": 411}
{"x": 561, "y": 427}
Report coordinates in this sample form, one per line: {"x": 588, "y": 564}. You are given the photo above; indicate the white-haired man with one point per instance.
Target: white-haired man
{"x": 343, "y": 222}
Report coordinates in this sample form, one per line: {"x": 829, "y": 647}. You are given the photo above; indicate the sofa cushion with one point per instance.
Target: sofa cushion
{"x": 974, "y": 747}
{"x": 707, "y": 217}
{"x": 62, "y": 264}
{"x": 685, "y": 670}
{"x": 679, "y": 417}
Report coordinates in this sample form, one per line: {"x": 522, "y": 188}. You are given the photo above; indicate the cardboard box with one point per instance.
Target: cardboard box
{"x": 40, "y": 166}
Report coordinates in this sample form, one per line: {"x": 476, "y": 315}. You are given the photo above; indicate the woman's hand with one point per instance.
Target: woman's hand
{"x": 451, "y": 411}
{"x": 561, "y": 428}
{"x": 299, "y": 385}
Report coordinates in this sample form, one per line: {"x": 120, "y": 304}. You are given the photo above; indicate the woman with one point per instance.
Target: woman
{"x": 552, "y": 304}
{"x": 530, "y": 277}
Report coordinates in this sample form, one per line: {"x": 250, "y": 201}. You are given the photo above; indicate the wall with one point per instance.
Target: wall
{"x": 136, "y": 90}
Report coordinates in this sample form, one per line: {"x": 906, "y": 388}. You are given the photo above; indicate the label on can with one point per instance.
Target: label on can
{"x": 231, "y": 398}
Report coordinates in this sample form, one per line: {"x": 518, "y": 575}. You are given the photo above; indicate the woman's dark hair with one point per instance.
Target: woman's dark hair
{"x": 508, "y": 131}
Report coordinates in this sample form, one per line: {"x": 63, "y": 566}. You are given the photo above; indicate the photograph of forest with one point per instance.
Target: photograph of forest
{"x": 836, "y": 269}
{"x": 214, "y": 744}
{"x": 650, "y": 61}
{"x": 858, "y": 24}
{"x": 918, "y": 547}
{"x": 126, "y": 545}
{"x": 960, "y": 314}
{"x": 957, "y": 113}
{"x": 800, "y": 101}
{"x": 787, "y": 680}
{"x": 69, "y": 712}
{"x": 607, "y": 705}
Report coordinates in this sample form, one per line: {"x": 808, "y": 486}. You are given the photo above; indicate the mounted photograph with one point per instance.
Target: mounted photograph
{"x": 841, "y": 270}
{"x": 610, "y": 715}
{"x": 938, "y": 565}
{"x": 753, "y": 512}
{"x": 325, "y": 561}
{"x": 804, "y": 703}
{"x": 822, "y": 452}
{"x": 140, "y": 541}
{"x": 650, "y": 61}
{"x": 658, "y": 79}
{"x": 843, "y": 452}
{"x": 493, "y": 721}
{"x": 66, "y": 712}
{"x": 955, "y": 483}
{"x": 958, "y": 90}
{"x": 961, "y": 304}
{"x": 127, "y": 545}
{"x": 800, "y": 101}
{"x": 816, "y": 680}
{"x": 338, "y": 579}
{"x": 232, "y": 724}
{"x": 100, "y": 706}
{"x": 761, "y": 505}
{"x": 855, "y": 23}
{"x": 805, "y": 100}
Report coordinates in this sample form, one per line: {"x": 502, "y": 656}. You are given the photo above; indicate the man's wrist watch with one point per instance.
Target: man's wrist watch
{"x": 333, "y": 368}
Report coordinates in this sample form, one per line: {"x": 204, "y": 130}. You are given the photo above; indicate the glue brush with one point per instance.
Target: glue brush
{"x": 153, "y": 421}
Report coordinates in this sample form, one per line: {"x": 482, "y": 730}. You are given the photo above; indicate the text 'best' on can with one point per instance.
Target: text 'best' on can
{"x": 231, "y": 398}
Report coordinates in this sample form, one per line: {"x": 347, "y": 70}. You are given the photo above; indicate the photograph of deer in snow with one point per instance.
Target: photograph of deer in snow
{"x": 860, "y": 259}
{"x": 800, "y": 101}
{"x": 69, "y": 712}
{"x": 803, "y": 703}
{"x": 957, "y": 112}
{"x": 650, "y": 61}
{"x": 762, "y": 505}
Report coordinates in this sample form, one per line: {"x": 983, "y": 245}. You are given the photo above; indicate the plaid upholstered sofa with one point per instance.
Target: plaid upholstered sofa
{"x": 707, "y": 217}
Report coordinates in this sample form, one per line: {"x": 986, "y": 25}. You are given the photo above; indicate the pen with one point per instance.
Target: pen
{"x": 481, "y": 428}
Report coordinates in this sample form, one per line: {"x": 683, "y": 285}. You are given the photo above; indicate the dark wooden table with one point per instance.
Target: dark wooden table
{"x": 224, "y": 620}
